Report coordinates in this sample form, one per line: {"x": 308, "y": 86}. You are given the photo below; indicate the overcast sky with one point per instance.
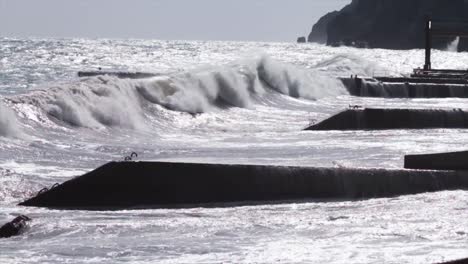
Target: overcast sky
{"x": 251, "y": 20}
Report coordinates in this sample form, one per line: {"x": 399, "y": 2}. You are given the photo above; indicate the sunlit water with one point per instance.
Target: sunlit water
{"x": 217, "y": 102}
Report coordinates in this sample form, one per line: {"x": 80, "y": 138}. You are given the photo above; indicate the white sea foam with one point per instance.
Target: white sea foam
{"x": 298, "y": 83}
{"x": 94, "y": 103}
{"x": 348, "y": 64}
{"x": 453, "y": 46}
{"x": 430, "y": 227}
{"x": 105, "y": 101}
{"x": 233, "y": 85}
{"x": 8, "y": 123}
{"x": 200, "y": 91}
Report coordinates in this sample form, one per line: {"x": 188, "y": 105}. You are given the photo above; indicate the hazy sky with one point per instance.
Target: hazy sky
{"x": 262, "y": 20}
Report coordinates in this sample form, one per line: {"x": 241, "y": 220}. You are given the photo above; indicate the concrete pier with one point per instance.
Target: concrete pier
{"x": 124, "y": 185}
{"x": 440, "y": 161}
{"x": 122, "y": 75}
{"x": 401, "y": 87}
{"x": 379, "y": 119}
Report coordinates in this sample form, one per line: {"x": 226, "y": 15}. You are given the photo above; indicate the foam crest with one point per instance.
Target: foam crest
{"x": 8, "y": 123}
{"x": 349, "y": 64}
{"x": 104, "y": 101}
{"x": 296, "y": 82}
{"x": 201, "y": 91}
{"x": 233, "y": 85}
{"x": 93, "y": 103}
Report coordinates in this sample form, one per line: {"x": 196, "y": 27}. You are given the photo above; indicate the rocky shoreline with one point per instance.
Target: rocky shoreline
{"x": 388, "y": 24}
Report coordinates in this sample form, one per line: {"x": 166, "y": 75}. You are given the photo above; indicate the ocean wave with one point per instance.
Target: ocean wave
{"x": 9, "y": 126}
{"x": 93, "y": 103}
{"x": 349, "y": 64}
{"x": 233, "y": 85}
{"x": 299, "y": 83}
{"x": 106, "y": 101}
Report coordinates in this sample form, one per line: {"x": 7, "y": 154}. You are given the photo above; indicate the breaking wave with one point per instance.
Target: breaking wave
{"x": 94, "y": 103}
{"x": 298, "y": 83}
{"x": 349, "y": 64}
{"x": 106, "y": 101}
{"x": 8, "y": 123}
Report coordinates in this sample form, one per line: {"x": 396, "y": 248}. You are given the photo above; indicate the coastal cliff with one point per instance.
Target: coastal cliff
{"x": 389, "y": 24}
{"x": 319, "y": 30}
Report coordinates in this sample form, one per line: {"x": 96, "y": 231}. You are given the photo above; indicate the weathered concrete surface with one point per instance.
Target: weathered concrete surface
{"x": 121, "y": 185}
{"x": 15, "y": 227}
{"x": 406, "y": 87}
{"x": 380, "y": 119}
{"x": 440, "y": 161}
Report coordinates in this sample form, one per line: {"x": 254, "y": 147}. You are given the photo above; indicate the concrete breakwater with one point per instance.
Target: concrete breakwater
{"x": 122, "y": 75}
{"x": 390, "y": 87}
{"x": 379, "y": 119}
{"x": 461, "y": 261}
{"x": 123, "y": 185}
{"x": 439, "y": 161}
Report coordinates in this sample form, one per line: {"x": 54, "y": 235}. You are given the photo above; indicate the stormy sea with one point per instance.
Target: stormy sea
{"x": 215, "y": 102}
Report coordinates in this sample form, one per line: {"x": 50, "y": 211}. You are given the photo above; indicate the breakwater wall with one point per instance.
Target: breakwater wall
{"x": 439, "y": 161}
{"x": 122, "y": 75}
{"x": 123, "y": 185}
{"x": 379, "y": 119}
{"x": 406, "y": 87}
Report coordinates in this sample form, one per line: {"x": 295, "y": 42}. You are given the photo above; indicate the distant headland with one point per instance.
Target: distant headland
{"x": 388, "y": 24}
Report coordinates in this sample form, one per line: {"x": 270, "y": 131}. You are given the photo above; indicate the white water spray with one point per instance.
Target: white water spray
{"x": 104, "y": 101}
{"x": 453, "y": 46}
{"x": 8, "y": 123}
